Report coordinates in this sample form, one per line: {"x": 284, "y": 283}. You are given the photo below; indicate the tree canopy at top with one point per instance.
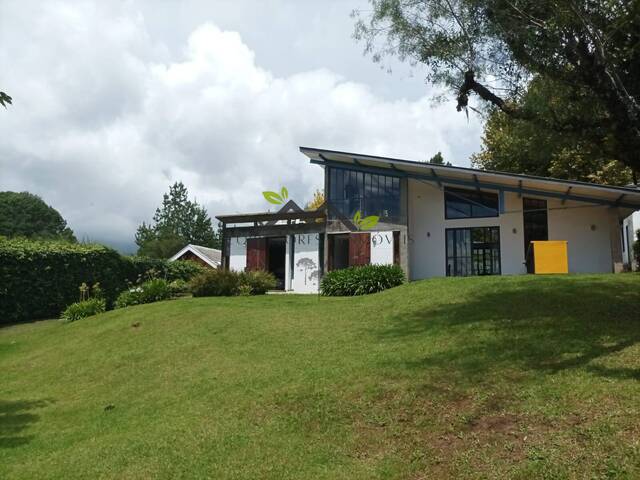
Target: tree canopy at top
{"x": 493, "y": 48}
{"x": 23, "y": 214}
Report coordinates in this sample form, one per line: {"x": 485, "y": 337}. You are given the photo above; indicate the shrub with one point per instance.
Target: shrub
{"x": 178, "y": 287}
{"x": 215, "y": 283}
{"x": 259, "y": 281}
{"x": 83, "y": 309}
{"x": 150, "y": 291}
{"x": 361, "y": 280}
{"x": 244, "y": 290}
{"x": 38, "y": 279}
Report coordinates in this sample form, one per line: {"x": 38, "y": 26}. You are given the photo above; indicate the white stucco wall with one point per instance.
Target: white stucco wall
{"x": 237, "y": 254}
{"x": 589, "y": 250}
{"x": 306, "y": 263}
{"x": 381, "y": 248}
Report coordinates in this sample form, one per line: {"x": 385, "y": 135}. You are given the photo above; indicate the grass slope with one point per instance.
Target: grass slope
{"x": 521, "y": 377}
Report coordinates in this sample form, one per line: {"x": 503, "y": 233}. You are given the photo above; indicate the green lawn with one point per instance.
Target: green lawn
{"x": 521, "y": 377}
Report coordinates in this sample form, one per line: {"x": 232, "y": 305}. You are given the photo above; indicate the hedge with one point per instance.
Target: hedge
{"x": 38, "y": 279}
{"x": 361, "y": 280}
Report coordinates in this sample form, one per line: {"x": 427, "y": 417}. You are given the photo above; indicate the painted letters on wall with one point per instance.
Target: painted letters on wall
{"x": 306, "y": 268}
{"x": 381, "y": 248}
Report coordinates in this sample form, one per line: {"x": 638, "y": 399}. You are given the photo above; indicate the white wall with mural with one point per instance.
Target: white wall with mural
{"x": 306, "y": 263}
{"x": 381, "y": 248}
{"x": 238, "y": 254}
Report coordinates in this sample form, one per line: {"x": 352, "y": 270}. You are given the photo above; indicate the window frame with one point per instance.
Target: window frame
{"x": 491, "y": 229}
{"x": 455, "y": 190}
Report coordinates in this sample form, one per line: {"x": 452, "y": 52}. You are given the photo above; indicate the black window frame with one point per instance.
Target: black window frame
{"x": 350, "y": 190}
{"x": 470, "y": 259}
{"x": 475, "y": 199}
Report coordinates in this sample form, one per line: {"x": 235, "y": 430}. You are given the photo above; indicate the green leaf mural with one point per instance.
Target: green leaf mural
{"x": 365, "y": 223}
{"x": 284, "y": 193}
{"x": 273, "y": 197}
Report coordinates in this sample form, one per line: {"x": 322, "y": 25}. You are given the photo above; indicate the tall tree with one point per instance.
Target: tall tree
{"x": 23, "y": 214}
{"x": 515, "y": 145}
{"x": 492, "y": 48}
{"x": 438, "y": 159}
{"x": 176, "y": 223}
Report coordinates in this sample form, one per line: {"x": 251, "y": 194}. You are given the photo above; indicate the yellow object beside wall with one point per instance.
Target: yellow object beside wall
{"x": 550, "y": 257}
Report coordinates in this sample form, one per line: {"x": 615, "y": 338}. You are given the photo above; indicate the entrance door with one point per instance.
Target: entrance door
{"x": 276, "y": 255}
{"x": 536, "y": 225}
{"x": 256, "y": 254}
{"x": 359, "y": 249}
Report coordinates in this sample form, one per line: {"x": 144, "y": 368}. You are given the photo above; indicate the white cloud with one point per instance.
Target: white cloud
{"x": 105, "y": 119}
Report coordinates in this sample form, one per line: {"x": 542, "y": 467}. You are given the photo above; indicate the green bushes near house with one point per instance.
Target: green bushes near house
{"x": 361, "y": 280}
{"x": 39, "y": 279}
{"x": 85, "y": 308}
{"x": 219, "y": 283}
{"x": 153, "y": 290}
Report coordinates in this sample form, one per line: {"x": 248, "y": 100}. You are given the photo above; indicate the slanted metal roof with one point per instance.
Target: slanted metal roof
{"x": 623, "y": 197}
{"x": 211, "y": 256}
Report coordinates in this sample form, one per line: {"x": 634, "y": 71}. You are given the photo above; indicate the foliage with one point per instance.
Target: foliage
{"x": 520, "y": 146}
{"x": 244, "y": 290}
{"x": 361, "y": 280}
{"x": 83, "y": 309}
{"x": 39, "y": 279}
{"x": 151, "y": 291}
{"x": 179, "y": 287}
{"x": 316, "y": 202}
{"x": 215, "y": 283}
{"x": 365, "y": 223}
{"x": 5, "y": 99}
{"x": 492, "y": 48}
{"x": 438, "y": 159}
{"x": 636, "y": 249}
{"x": 23, "y": 214}
{"x": 258, "y": 281}
{"x": 178, "y": 222}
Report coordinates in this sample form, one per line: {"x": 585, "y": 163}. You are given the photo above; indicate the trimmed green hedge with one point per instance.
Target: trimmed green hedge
{"x": 361, "y": 280}
{"x": 38, "y": 279}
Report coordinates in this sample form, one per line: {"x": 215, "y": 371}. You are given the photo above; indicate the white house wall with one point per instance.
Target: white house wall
{"x": 306, "y": 263}
{"x": 381, "y": 248}
{"x": 237, "y": 254}
{"x": 586, "y": 228}
{"x": 589, "y": 250}
{"x": 630, "y": 226}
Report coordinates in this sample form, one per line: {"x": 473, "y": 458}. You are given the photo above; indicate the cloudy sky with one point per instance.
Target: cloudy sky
{"x": 114, "y": 101}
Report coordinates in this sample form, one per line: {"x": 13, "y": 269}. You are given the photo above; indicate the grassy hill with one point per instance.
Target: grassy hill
{"x": 521, "y": 377}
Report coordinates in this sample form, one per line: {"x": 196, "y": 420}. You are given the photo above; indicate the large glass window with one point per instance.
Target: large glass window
{"x": 473, "y": 251}
{"x": 461, "y": 203}
{"x": 372, "y": 194}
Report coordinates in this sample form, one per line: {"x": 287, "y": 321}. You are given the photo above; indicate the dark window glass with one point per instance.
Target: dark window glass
{"x": 372, "y": 194}
{"x": 460, "y": 203}
{"x": 473, "y": 251}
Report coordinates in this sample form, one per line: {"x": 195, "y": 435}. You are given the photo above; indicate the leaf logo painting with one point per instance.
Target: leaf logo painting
{"x": 366, "y": 223}
{"x": 276, "y": 198}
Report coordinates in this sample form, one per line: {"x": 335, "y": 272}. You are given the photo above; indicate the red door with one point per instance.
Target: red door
{"x": 256, "y": 254}
{"x": 359, "y": 249}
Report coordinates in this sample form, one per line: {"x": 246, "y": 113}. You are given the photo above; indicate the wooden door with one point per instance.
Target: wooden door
{"x": 256, "y": 254}
{"x": 359, "y": 249}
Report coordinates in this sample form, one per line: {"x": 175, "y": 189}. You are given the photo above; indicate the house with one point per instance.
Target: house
{"x": 205, "y": 256}
{"x": 434, "y": 220}
{"x": 630, "y": 228}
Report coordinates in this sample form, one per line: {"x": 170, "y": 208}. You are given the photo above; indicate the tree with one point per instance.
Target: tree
{"x": 176, "y": 223}
{"x": 515, "y": 145}
{"x": 5, "y": 99}
{"x": 316, "y": 202}
{"x": 24, "y": 214}
{"x": 493, "y": 48}
{"x": 438, "y": 159}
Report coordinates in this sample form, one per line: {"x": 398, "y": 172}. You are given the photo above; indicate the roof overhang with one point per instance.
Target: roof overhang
{"x": 620, "y": 197}
{"x": 197, "y": 253}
